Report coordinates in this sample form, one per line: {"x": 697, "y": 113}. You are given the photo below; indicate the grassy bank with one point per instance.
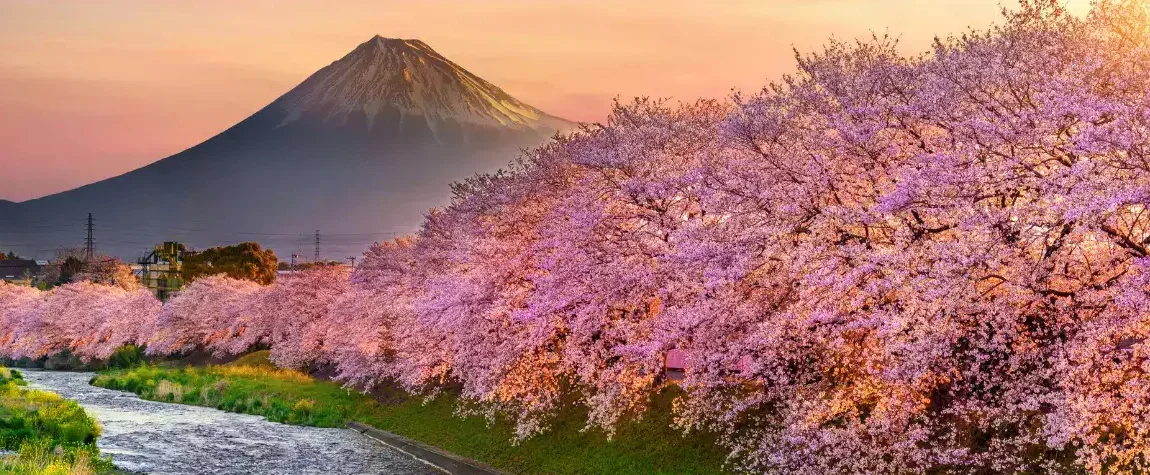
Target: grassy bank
{"x": 249, "y": 385}
{"x": 50, "y": 435}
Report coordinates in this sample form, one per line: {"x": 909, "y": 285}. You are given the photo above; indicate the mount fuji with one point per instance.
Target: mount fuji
{"x": 359, "y": 150}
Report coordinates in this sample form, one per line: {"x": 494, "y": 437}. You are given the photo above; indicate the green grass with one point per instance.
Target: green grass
{"x": 50, "y": 434}
{"x": 11, "y": 375}
{"x": 647, "y": 446}
{"x": 255, "y": 359}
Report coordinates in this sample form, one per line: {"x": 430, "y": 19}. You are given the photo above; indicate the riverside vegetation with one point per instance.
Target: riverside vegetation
{"x": 881, "y": 264}
{"x": 252, "y": 385}
{"x": 45, "y": 434}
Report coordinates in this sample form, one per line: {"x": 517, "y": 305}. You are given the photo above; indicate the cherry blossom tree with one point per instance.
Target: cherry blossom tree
{"x": 108, "y": 271}
{"x": 204, "y": 316}
{"x": 16, "y": 302}
{"x": 880, "y": 264}
{"x": 294, "y": 314}
{"x": 125, "y": 319}
{"x": 375, "y": 322}
{"x": 89, "y": 320}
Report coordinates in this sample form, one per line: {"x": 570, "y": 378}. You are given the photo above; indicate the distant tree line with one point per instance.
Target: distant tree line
{"x": 244, "y": 261}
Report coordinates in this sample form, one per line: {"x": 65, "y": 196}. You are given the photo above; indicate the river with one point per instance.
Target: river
{"x": 159, "y": 438}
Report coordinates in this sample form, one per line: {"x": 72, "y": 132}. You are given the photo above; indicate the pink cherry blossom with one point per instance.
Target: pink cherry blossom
{"x": 205, "y": 315}
{"x": 880, "y": 264}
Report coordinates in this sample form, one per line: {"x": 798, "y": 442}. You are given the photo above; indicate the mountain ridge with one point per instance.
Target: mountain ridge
{"x": 351, "y": 149}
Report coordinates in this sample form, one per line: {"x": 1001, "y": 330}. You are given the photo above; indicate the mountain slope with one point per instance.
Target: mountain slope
{"x": 382, "y": 75}
{"x": 360, "y": 149}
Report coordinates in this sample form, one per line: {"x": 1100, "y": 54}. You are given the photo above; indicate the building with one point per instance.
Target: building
{"x": 159, "y": 271}
{"x": 675, "y": 365}
{"x": 21, "y": 271}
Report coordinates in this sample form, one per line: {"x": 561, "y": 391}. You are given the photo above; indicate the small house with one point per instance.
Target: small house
{"x": 20, "y": 271}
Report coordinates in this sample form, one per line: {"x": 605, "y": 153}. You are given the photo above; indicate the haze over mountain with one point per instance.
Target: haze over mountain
{"x": 359, "y": 150}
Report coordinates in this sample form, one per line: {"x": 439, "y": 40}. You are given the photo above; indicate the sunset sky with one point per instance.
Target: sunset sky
{"x": 90, "y": 89}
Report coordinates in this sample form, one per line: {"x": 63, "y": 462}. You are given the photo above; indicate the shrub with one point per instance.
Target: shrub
{"x": 50, "y": 434}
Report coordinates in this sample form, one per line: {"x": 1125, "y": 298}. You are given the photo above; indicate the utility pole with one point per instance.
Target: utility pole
{"x": 351, "y": 259}
{"x": 89, "y": 243}
{"x": 317, "y": 246}
{"x": 293, "y": 256}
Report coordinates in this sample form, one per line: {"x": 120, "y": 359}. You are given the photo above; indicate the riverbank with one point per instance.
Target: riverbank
{"x": 648, "y": 446}
{"x": 127, "y": 356}
{"x": 176, "y": 439}
{"x": 44, "y": 433}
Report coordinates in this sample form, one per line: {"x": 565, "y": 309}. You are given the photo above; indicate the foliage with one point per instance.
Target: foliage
{"x": 244, "y": 261}
{"x": 11, "y": 375}
{"x": 29, "y": 414}
{"x": 127, "y": 356}
{"x": 881, "y": 264}
{"x": 309, "y": 265}
{"x": 255, "y": 359}
{"x": 647, "y": 446}
{"x": 295, "y": 314}
{"x": 69, "y": 267}
{"x": 73, "y": 265}
{"x": 42, "y": 457}
{"x": 209, "y": 313}
{"x": 108, "y": 271}
{"x": 51, "y": 435}
{"x": 88, "y": 320}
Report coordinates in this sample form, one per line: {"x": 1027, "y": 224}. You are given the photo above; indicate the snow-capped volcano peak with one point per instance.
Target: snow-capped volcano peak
{"x": 406, "y": 75}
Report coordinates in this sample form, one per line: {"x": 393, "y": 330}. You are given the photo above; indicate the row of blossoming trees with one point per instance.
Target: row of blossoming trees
{"x": 882, "y": 264}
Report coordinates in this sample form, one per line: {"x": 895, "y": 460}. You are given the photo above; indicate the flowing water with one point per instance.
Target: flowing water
{"x": 159, "y": 438}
